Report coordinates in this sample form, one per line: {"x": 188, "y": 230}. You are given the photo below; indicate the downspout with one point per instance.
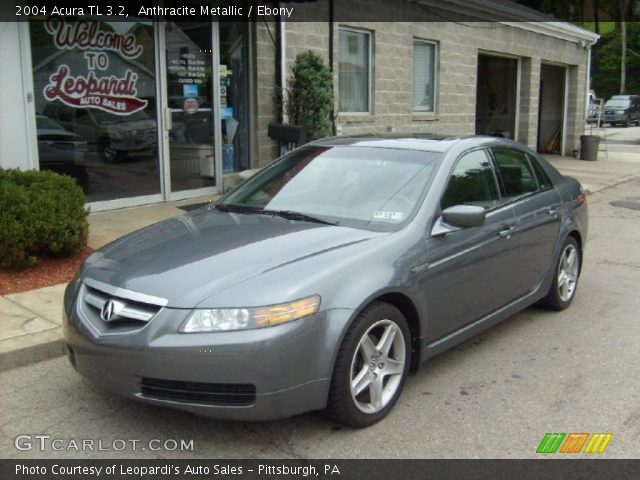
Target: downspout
{"x": 331, "y": 34}
{"x": 588, "y": 81}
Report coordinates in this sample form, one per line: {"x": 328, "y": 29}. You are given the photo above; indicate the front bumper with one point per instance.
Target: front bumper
{"x": 615, "y": 118}
{"x": 289, "y": 366}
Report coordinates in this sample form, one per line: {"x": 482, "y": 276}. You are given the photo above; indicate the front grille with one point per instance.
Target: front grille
{"x": 222, "y": 394}
{"x": 126, "y": 315}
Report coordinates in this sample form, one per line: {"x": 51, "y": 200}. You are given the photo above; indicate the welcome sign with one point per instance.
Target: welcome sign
{"x": 109, "y": 93}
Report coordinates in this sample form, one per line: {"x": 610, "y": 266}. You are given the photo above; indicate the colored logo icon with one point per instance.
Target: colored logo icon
{"x": 574, "y": 443}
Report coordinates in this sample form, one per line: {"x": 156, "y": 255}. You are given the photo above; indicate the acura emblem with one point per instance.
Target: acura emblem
{"x": 108, "y": 309}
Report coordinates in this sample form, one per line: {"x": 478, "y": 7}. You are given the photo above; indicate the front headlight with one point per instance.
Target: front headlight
{"x": 225, "y": 319}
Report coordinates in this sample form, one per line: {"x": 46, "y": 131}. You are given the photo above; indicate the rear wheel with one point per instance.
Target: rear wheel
{"x": 565, "y": 279}
{"x": 371, "y": 366}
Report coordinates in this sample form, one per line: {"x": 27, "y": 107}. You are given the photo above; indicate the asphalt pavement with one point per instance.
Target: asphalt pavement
{"x": 494, "y": 396}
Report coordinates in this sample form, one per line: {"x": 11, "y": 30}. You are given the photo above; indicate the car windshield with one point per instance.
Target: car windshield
{"x": 364, "y": 187}
{"x": 617, "y": 103}
{"x": 45, "y": 123}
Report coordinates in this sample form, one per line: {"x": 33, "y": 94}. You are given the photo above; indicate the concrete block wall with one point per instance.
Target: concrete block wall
{"x": 458, "y": 47}
{"x": 265, "y": 80}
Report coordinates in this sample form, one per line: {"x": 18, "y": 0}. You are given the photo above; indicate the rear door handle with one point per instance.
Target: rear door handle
{"x": 553, "y": 212}
{"x": 506, "y": 232}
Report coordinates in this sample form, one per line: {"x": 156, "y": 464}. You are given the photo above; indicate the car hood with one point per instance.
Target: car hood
{"x": 61, "y": 135}
{"x": 189, "y": 258}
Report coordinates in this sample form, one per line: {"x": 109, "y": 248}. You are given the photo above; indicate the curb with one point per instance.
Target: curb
{"x": 31, "y": 354}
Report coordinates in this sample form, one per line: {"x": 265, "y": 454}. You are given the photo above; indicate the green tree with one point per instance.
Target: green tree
{"x": 607, "y": 58}
{"x": 310, "y": 95}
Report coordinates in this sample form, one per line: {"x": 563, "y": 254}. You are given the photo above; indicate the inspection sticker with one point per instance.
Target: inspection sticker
{"x": 383, "y": 215}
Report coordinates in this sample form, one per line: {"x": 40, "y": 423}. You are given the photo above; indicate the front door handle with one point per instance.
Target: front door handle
{"x": 553, "y": 212}
{"x": 506, "y": 232}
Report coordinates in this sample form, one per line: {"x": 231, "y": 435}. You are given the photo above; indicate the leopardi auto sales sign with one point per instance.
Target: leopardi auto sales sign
{"x": 110, "y": 93}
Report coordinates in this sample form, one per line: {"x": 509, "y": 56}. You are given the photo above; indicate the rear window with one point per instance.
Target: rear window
{"x": 515, "y": 172}
{"x": 541, "y": 175}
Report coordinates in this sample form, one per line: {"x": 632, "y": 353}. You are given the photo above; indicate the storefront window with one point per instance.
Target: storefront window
{"x": 95, "y": 90}
{"x": 190, "y": 101}
{"x": 234, "y": 95}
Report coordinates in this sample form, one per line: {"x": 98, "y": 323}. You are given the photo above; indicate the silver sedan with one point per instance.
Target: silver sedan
{"x": 322, "y": 281}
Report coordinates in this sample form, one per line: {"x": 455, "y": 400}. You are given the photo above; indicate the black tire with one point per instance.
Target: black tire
{"x": 554, "y": 299}
{"x": 341, "y": 404}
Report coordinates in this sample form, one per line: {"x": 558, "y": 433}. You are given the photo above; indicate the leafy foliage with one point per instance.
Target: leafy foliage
{"x": 310, "y": 95}
{"x": 606, "y": 59}
{"x": 41, "y": 213}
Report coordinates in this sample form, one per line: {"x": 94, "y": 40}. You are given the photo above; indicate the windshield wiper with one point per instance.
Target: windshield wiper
{"x": 291, "y": 215}
{"x": 230, "y": 207}
{"x": 288, "y": 214}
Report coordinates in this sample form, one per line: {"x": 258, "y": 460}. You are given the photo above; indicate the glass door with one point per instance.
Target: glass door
{"x": 189, "y": 106}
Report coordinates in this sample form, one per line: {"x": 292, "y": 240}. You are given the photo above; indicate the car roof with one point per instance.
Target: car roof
{"x": 428, "y": 143}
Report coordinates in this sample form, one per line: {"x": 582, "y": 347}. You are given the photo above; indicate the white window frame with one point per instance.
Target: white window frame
{"x": 369, "y": 34}
{"x": 436, "y": 74}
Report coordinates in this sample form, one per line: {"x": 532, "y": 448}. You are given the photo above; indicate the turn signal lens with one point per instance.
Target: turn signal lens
{"x": 228, "y": 319}
{"x": 286, "y": 312}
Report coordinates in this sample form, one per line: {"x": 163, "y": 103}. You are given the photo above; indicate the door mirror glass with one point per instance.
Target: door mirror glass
{"x": 464, "y": 216}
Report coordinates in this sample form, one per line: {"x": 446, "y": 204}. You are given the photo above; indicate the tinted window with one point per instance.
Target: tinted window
{"x": 541, "y": 175}
{"x": 472, "y": 182}
{"x": 516, "y": 174}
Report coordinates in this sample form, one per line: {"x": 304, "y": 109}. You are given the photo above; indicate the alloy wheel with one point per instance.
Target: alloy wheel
{"x": 377, "y": 366}
{"x": 568, "y": 273}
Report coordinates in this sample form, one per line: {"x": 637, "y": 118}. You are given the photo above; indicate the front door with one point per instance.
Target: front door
{"x": 471, "y": 271}
{"x": 191, "y": 133}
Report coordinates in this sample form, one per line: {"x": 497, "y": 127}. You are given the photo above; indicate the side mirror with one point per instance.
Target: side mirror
{"x": 464, "y": 216}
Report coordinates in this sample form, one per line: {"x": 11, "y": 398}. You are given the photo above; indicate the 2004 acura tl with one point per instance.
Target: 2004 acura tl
{"x": 322, "y": 280}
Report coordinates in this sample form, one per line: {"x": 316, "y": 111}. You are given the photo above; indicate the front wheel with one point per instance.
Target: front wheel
{"x": 371, "y": 366}
{"x": 565, "y": 279}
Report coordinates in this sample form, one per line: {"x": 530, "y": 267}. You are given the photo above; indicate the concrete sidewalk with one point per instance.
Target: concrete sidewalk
{"x": 30, "y": 322}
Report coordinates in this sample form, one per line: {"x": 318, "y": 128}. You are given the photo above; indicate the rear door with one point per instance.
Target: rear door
{"x": 537, "y": 205}
{"x": 470, "y": 271}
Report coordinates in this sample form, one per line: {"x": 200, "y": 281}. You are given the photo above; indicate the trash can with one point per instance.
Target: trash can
{"x": 589, "y": 146}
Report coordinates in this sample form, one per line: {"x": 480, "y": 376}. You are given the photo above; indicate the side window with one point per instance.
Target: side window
{"x": 541, "y": 175}
{"x": 472, "y": 182}
{"x": 516, "y": 174}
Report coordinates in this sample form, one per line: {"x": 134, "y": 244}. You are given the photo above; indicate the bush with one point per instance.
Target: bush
{"x": 310, "y": 95}
{"x": 41, "y": 213}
